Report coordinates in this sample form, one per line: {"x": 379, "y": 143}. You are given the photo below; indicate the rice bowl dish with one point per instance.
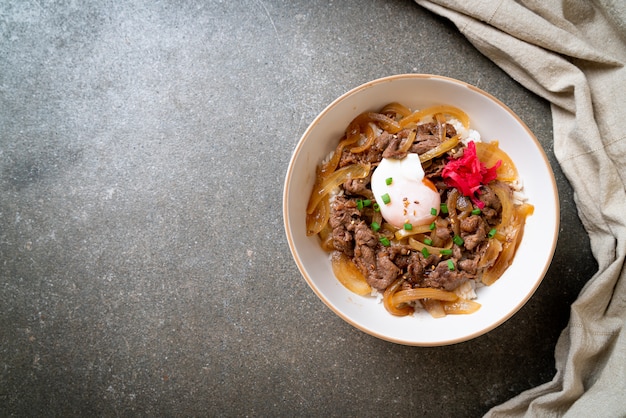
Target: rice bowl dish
{"x": 494, "y": 121}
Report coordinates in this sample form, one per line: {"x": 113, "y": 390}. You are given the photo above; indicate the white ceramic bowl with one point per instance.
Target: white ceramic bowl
{"x": 494, "y": 121}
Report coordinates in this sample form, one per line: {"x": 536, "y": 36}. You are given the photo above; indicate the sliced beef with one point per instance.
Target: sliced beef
{"x": 377, "y": 267}
{"x": 374, "y": 260}
{"x": 470, "y": 223}
{"x": 420, "y": 267}
{"x": 343, "y": 215}
{"x": 375, "y": 153}
{"x": 365, "y": 260}
{"x": 421, "y": 147}
{"x": 428, "y": 137}
{"x": 469, "y": 265}
{"x": 444, "y": 278}
{"x": 359, "y": 187}
{"x": 493, "y": 207}
{"x": 343, "y": 212}
{"x": 474, "y": 240}
{"x": 416, "y": 271}
{"x": 366, "y": 247}
{"x": 387, "y": 145}
{"x": 417, "y": 267}
{"x": 457, "y": 252}
{"x": 393, "y": 149}
{"x": 363, "y": 235}
{"x": 473, "y": 232}
{"x": 348, "y": 158}
{"x": 433, "y": 170}
{"x": 381, "y": 142}
{"x": 442, "y": 230}
{"x": 489, "y": 198}
{"x": 401, "y": 255}
{"x": 386, "y": 271}
{"x": 343, "y": 241}
{"x": 428, "y": 130}
{"x": 395, "y": 143}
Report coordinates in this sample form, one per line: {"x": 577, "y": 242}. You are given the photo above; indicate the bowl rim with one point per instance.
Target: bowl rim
{"x": 338, "y": 312}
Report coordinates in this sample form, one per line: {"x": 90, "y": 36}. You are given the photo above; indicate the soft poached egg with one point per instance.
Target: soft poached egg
{"x": 412, "y": 198}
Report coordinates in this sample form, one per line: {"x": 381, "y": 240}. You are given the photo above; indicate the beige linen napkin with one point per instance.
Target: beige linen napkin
{"x": 572, "y": 53}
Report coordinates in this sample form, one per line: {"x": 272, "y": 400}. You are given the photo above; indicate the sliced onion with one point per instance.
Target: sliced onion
{"x": 442, "y": 148}
{"x": 441, "y": 121}
{"x": 506, "y": 200}
{"x": 384, "y": 122}
{"x": 403, "y": 233}
{"x": 489, "y": 153}
{"x": 451, "y": 202}
{"x": 449, "y": 110}
{"x": 514, "y": 234}
{"x": 408, "y": 142}
{"x": 325, "y": 185}
{"x": 370, "y": 135}
{"x": 388, "y": 303}
{"x": 419, "y": 246}
{"x": 349, "y": 274}
{"x": 326, "y": 236}
{"x": 525, "y": 210}
{"x": 433, "y": 307}
{"x": 397, "y": 108}
{"x": 503, "y": 261}
{"x": 461, "y": 307}
{"x": 329, "y": 167}
{"x": 494, "y": 247}
{"x": 410, "y": 295}
{"x": 318, "y": 219}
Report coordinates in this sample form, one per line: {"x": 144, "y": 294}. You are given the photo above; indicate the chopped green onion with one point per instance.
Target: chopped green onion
{"x": 431, "y": 226}
{"x": 476, "y": 211}
{"x": 450, "y": 265}
{"x": 458, "y": 240}
{"x": 386, "y": 198}
{"x": 428, "y": 241}
{"x": 375, "y": 226}
{"x": 492, "y": 233}
{"x": 408, "y": 227}
{"x": 444, "y": 208}
{"x": 433, "y": 211}
{"x": 376, "y": 207}
{"x": 385, "y": 241}
{"x": 445, "y": 251}
{"x": 388, "y": 180}
{"x": 425, "y": 252}
{"x": 361, "y": 203}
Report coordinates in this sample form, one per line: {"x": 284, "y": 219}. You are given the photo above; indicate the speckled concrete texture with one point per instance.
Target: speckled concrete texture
{"x": 144, "y": 270}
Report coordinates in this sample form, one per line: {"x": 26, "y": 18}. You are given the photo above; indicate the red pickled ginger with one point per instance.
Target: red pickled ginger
{"x": 467, "y": 173}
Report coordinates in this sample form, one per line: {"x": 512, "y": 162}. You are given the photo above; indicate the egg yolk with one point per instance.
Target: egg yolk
{"x": 404, "y": 195}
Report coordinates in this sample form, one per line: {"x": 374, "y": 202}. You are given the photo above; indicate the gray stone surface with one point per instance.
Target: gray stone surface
{"x": 144, "y": 269}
